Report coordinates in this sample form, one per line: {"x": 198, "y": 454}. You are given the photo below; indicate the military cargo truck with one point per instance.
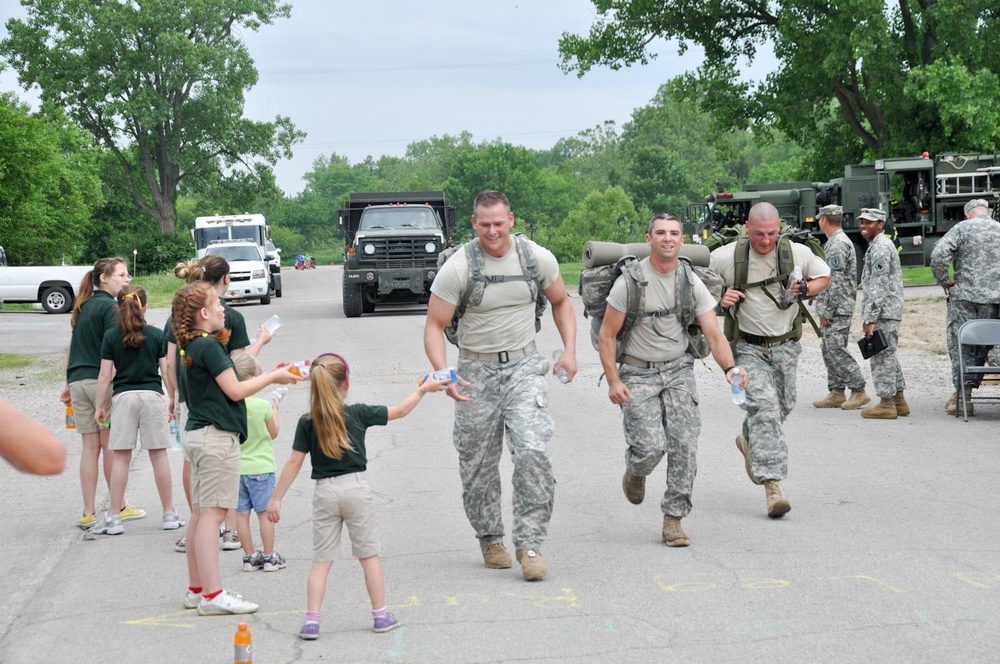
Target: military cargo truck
{"x": 392, "y": 241}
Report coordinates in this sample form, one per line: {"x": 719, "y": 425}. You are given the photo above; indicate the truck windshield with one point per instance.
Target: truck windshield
{"x": 206, "y": 236}
{"x": 233, "y": 253}
{"x": 395, "y": 218}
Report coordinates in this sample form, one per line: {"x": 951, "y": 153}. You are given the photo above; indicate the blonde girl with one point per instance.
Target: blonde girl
{"x": 216, "y": 426}
{"x": 333, "y": 435}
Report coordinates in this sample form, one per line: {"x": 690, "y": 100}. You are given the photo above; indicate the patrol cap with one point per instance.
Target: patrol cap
{"x": 830, "y": 210}
{"x": 978, "y": 202}
{"x": 872, "y": 214}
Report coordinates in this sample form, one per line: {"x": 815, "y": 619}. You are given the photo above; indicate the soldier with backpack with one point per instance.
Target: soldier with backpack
{"x": 493, "y": 282}
{"x": 764, "y": 325}
{"x": 654, "y": 384}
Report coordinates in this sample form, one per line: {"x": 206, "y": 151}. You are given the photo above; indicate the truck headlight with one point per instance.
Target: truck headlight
{"x": 430, "y": 247}
{"x": 369, "y": 249}
{"x": 258, "y": 274}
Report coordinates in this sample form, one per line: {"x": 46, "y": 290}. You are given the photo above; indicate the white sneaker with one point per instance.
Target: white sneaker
{"x": 225, "y": 603}
{"x": 230, "y": 541}
{"x": 191, "y": 600}
{"x": 171, "y": 520}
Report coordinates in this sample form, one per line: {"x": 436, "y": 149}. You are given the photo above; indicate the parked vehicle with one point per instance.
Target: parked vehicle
{"x": 209, "y": 230}
{"x": 249, "y": 276}
{"x": 54, "y": 287}
{"x": 392, "y": 240}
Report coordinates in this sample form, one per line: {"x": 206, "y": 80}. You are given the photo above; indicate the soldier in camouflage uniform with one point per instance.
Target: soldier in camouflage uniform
{"x": 835, "y": 309}
{"x": 973, "y": 247}
{"x": 502, "y": 383}
{"x": 655, "y": 385}
{"x": 767, "y": 345}
{"x": 882, "y": 309}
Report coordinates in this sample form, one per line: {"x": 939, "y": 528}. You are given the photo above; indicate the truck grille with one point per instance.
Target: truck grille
{"x": 397, "y": 252}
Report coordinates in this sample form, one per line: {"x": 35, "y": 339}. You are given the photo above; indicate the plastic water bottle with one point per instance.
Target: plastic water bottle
{"x": 793, "y": 295}
{"x": 448, "y": 374}
{"x": 739, "y": 394}
{"x": 70, "y": 417}
{"x": 561, "y": 372}
{"x": 175, "y": 433}
{"x": 242, "y": 645}
{"x": 278, "y": 394}
{"x": 271, "y": 325}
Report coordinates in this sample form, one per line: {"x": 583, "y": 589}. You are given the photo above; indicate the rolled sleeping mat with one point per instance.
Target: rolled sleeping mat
{"x": 596, "y": 254}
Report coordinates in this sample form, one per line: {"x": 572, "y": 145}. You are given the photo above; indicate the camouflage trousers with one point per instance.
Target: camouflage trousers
{"x": 506, "y": 398}
{"x": 661, "y": 419}
{"x": 887, "y": 375}
{"x": 960, "y": 311}
{"x": 771, "y": 396}
{"x": 842, "y": 369}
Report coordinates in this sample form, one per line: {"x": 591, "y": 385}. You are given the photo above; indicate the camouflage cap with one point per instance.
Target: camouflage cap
{"x": 872, "y": 214}
{"x": 973, "y": 204}
{"x": 830, "y": 210}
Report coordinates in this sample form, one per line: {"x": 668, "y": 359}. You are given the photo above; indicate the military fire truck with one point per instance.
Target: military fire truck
{"x": 922, "y": 196}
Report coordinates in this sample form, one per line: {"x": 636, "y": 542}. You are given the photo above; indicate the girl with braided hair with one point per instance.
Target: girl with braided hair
{"x": 212, "y": 270}
{"x": 216, "y": 427}
{"x": 93, "y": 314}
{"x": 134, "y": 353}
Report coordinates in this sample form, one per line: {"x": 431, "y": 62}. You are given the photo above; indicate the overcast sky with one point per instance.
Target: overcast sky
{"x": 368, "y": 78}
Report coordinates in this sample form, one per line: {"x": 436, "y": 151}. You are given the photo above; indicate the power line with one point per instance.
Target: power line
{"x": 394, "y": 68}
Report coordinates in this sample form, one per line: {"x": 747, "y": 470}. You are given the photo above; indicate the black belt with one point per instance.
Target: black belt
{"x": 764, "y": 341}
{"x": 503, "y": 357}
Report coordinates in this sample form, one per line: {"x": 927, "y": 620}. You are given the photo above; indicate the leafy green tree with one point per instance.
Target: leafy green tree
{"x": 608, "y": 216}
{"x": 903, "y": 76}
{"x": 48, "y": 185}
{"x": 165, "y": 78}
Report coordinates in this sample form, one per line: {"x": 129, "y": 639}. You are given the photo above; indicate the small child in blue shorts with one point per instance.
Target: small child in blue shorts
{"x": 257, "y": 474}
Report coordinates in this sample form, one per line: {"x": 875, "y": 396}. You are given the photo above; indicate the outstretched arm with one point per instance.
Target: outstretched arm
{"x": 28, "y": 445}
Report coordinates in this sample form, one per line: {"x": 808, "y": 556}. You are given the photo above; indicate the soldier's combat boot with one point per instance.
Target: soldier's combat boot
{"x": 673, "y": 534}
{"x": 533, "y": 567}
{"x": 634, "y": 487}
{"x": 833, "y": 400}
{"x": 902, "y": 408}
{"x": 954, "y": 404}
{"x": 743, "y": 445}
{"x": 777, "y": 505}
{"x": 885, "y": 409}
{"x": 858, "y": 399}
{"x": 495, "y": 556}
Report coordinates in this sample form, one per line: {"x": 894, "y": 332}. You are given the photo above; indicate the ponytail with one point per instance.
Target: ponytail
{"x": 92, "y": 282}
{"x": 131, "y": 301}
{"x": 328, "y": 380}
{"x": 188, "y": 302}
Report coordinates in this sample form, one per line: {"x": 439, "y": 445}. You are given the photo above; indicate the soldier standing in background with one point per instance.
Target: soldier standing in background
{"x": 973, "y": 247}
{"x": 835, "y": 309}
{"x": 882, "y": 308}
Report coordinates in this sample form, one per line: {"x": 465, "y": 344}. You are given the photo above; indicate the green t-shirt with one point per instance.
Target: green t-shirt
{"x": 237, "y": 339}
{"x": 257, "y": 454}
{"x": 135, "y": 368}
{"x": 207, "y": 403}
{"x": 97, "y": 315}
{"x": 359, "y": 417}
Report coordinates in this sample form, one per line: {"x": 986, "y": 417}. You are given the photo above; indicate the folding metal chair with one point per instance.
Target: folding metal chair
{"x": 981, "y": 332}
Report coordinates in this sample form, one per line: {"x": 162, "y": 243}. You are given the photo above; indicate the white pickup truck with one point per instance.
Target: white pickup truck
{"x": 53, "y": 286}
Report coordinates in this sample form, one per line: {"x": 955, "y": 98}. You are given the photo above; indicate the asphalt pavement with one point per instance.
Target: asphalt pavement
{"x": 889, "y": 554}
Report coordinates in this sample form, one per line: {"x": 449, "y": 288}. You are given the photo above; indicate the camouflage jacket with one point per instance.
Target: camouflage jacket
{"x": 973, "y": 247}
{"x": 838, "y": 300}
{"x": 881, "y": 282}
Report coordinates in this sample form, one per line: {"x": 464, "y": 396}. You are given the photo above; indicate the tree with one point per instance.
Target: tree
{"x": 895, "y": 71}
{"x": 608, "y": 216}
{"x": 159, "y": 84}
{"x": 48, "y": 185}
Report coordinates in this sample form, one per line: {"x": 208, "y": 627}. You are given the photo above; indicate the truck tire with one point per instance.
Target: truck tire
{"x": 367, "y": 306}
{"x": 353, "y": 300}
{"x": 57, "y": 300}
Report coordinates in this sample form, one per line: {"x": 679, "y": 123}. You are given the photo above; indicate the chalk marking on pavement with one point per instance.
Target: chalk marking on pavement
{"x": 453, "y": 600}
{"x": 926, "y": 620}
{"x": 168, "y": 619}
{"x": 765, "y": 584}
{"x": 975, "y": 583}
{"x": 568, "y": 598}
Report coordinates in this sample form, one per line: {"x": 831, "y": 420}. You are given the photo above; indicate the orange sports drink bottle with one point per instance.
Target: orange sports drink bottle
{"x": 70, "y": 416}
{"x": 300, "y": 369}
{"x": 242, "y": 647}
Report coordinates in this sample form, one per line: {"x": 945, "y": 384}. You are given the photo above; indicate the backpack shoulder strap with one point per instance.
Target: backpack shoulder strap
{"x": 474, "y": 258}
{"x": 528, "y": 264}
{"x": 684, "y": 302}
{"x": 635, "y": 290}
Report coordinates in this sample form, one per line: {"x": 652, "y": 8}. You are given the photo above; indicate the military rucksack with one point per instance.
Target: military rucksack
{"x": 596, "y": 283}
{"x": 785, "y": 265}
{"x": 478, "y": 281}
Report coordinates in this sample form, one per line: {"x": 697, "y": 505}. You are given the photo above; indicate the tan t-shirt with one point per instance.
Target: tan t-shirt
{"x": 661, "y": 338}
{"x": 758, "y": 314}
{"x": 505, "y": 319}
